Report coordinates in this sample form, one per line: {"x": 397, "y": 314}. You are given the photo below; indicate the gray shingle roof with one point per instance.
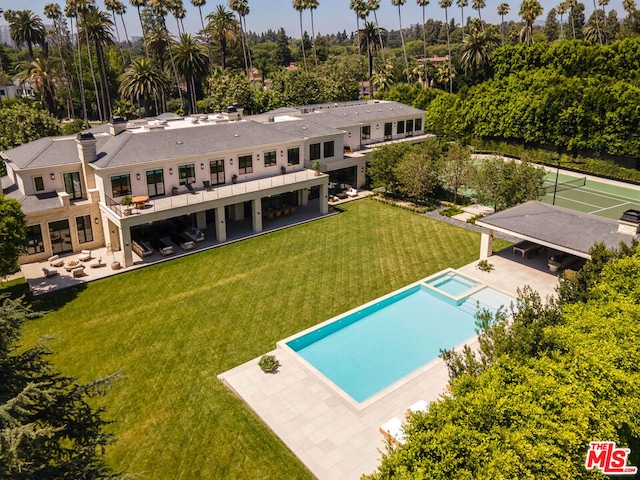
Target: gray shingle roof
{"x": 558, "y": 226}
{"x": 47, "y": 152}
{"x": 132, "y": 148}
{"x": 343, "y": 117}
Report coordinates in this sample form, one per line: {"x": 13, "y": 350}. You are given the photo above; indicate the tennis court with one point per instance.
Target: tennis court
{"x": 587, "y": 194}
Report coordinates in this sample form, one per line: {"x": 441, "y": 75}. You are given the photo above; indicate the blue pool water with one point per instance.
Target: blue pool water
{"x": 452, "y": 284}
{"x": 370, "y": 349}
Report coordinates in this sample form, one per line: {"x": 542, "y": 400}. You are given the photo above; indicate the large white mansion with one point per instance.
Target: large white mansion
{"x": 192, "y": 174}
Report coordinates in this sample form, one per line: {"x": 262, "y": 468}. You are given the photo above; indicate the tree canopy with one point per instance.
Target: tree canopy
{"x": 12, "y": 235}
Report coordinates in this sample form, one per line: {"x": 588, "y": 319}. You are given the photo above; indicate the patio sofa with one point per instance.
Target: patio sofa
{"x": 56, "y": 261}
{"x": 195, "y": 235}
{"x": 162, "y": 247}
{"x": 49, "y": 272}
{"x": 141, "y": 249}
{"x": 561, "y": 261}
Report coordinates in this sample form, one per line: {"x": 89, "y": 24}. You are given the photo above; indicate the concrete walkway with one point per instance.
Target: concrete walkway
{"x": 331, "y": 436}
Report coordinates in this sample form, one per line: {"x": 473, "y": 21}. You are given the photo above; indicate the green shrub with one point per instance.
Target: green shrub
{"x": 451, "y": 211}
{"x": 269, "y": 364}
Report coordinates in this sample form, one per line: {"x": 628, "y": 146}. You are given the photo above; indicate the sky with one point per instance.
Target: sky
{"x": 331, "y": 16}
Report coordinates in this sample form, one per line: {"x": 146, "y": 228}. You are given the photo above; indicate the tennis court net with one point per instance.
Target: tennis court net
{"x": 568, "y": 185}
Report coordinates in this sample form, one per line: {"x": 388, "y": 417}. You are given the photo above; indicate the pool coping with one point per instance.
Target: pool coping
{"x": 359, "y": 406}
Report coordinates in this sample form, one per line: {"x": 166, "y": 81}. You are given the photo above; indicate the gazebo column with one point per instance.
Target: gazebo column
{"x": 486, "y": 244}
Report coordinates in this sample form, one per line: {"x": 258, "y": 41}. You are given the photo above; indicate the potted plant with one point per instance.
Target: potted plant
{"x": 115, "y": 265}
{"x": 269, "y": 364}
{"x": 234, "y": 179}
{"x": 127, "y": 201}
{"x": 316, "y": 167}
{"x": 174, "y": 190}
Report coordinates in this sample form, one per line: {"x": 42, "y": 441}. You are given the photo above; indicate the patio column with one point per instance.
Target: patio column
{"x": 324, "y": 198}
{"x": 125, "y": 233}
{"x": 304, "y": 196}
{"x": 486, "y": 244}
{"x": 256, "y": 214}
{"x": 221, "y": 229}
{"x": 201, "y": 220}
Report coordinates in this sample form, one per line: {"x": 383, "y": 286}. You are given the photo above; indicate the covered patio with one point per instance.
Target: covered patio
{"x": 565, "y": 235}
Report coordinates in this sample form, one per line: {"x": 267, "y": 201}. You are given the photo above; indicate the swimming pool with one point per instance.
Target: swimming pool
{"x": 368, "y": 349}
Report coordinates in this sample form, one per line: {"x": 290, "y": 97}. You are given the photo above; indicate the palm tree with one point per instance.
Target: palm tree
{"x": 42, "y": 74}
{"x": 569, "y": 4}
{"x": 53, "y": 12}
{"x": 479, "y": 5}
{"x": 561, "y": 9}
{"x": 97, "y": 28}
{"x": 423, "y": 4}
{"x": 224, "y": 28}
{"x": 629, "y": 6}
{"x": 373, "y": 6}
{"x": 369, "y": 38}
{"x": 477, "y": 50}
{"x": 382, "y": 81}
{"x": 400, "y": 3}
{"x": 359, "y": 7}
{"x": 26, "y": 27}
{"x": 312, "y": 5}
{"x": 238, "y": 6}
{"x": 178, "y": 11}
{"x": 243, "y": 12}
{"x": 595, "y": 14}
{"x": 199, "y": 4}
{"x": 446, "y": 4}
{"x": 445, "y": 74}
{"x": 82, "y": 7}
{"x": 603, "y": 3}
{"x": 71, "y": 12}
{"x": 503, "y": 9}
{"x": 120, "y": 10}
{"x": 192, "y": 63}
{"x": 461, "y": 4}
{"x": 110, "y": 6}
{"x": 139, "y": 4}
{"x": 529, "y": 11}
{"x": 160, "y": 10}
{"x": 299, "y": 5}
{"x": 142, "y": 81}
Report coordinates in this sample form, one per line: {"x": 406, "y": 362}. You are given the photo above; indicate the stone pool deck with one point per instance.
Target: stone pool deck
{"x": 333, "y": 438}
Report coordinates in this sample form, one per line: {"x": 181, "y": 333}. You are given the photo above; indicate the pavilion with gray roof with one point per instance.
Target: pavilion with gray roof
{"x": 555, "y": 227}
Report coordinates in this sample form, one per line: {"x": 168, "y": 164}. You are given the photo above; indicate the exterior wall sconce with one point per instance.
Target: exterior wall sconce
{"x": 53, "y": 176}
{"x": 171, "y": 171}
{"x": 258, "y": 156}
{"x": 202, "y": 166}
{"x": 97, "y": 220}
{"x": 231, "y": 161}
{"x": 377, "y": 127}
{"x": 361, "y": 169}
{"x": 137, "y": 176}
{"x": 349, "y": 134}
{"x": 282, "y": 153}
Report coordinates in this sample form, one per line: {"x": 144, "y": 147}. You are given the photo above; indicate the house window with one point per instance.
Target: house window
{"x": 34, "y": 240}
{"x": 155, "y": 182}
{"x": 293, "y": 156}
{"x": 365, "y": 132}
{"x": 269, "y": 159}
{"x": 409, "y": 128}
{"x": 72, "y": 185}
{"x": 60, "y": 237}
{"x": 187, "y": 174}
{"x": 418, "y": 124}
{"x": 388, "y": 131}
{"x": 39, "y": 183}
{"x": 120, "y": 185}
{"x": 85, "y": 233}
{"x": 216, "y": 169}
{"x": 400, "y": 128}
{"x": 314, "y": 151}
{"x": 245, "y": 164}
{"x": 329, "y": 149}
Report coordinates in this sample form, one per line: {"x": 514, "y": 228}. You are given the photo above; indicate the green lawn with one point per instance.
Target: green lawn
{"x": 171, "y": 328}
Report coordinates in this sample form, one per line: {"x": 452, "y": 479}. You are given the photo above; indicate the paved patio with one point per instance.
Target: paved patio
{"x": 332, "y": 437}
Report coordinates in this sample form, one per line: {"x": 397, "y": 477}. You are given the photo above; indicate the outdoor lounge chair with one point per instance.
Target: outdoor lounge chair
{"x": 85, "y": 256}
{"x": 78, "y": 272}
{"x": 190, "y": 188}
{"x": 352, "y": 192}
{"x": 56, "y": 261}
{"x": 49, "y": 272}
{"x": 195, "y": 235}
{"x": 393, "y": 431}
{"x": 419, "y": 406}
{"x": 207, "y": 185}
{"x": 162, "y": 247}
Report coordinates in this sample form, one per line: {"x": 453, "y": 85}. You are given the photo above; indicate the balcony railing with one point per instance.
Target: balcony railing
{"x": 201, "y": 195}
